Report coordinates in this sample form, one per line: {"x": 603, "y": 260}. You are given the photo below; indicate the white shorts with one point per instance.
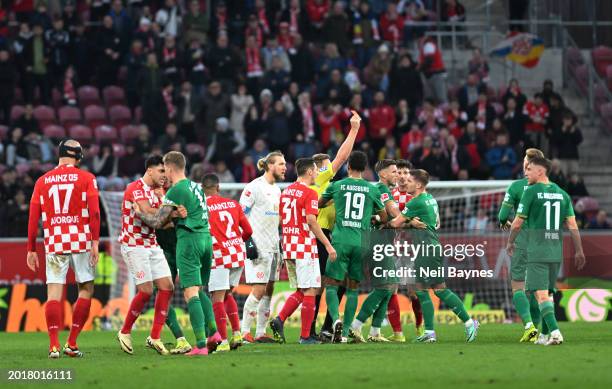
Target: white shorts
{"x": 223, "y": 278}
{"x": 145, "y": 264}
{"x": 303, "y": 273}
{"x": 57, "y": 267}
{"x": 263, "y": 269}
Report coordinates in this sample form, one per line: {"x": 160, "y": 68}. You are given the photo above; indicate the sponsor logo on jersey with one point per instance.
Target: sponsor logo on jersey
{"x": 247, "y": 193}
{"x": 314, "y": 204}
{"x": 384, "y": 197}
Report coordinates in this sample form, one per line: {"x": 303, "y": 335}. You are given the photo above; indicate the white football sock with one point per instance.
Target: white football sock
{"x": 356, "y": 324}
{"x": 374, "y": 331}
{"x": 263, "y": 313}
{"x": 469, "y": 323}
{"x": 249, "y": 311}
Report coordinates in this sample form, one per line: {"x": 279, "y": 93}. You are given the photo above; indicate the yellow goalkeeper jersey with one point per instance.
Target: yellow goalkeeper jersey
{"x": 327, "y": 215}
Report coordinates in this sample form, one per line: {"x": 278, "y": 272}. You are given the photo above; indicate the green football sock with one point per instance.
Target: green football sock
{"x": 196, "y": 316}
{"x": 521, "y": 304}
{"x": 173, "y": 324}
{"x": 454, "y": 302}
{"x": 544, "y": 330}
{"x": 534, "y": 309}
{"x": 209, "y": 316}
{"x": 381, "y": 312}
{"x": 333, "y": 304}
{"x": 352, "y": 299}
{"x": 427, "y": 308}
{"x": 548, "y": 315}
{"x": 371, "y": 304}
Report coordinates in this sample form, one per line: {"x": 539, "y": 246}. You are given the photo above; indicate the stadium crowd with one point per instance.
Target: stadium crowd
{"x": 226, "y": 85}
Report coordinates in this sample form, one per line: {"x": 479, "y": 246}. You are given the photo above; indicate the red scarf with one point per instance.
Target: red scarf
{"x": 263, "y": 20}
{"x": 169, "y": 105}
{"x": 254, "y": 68}
{"x": 169, "y": 54}
{"x": 308, "y": 122}
{"x": 293, "y": 20}
{"x": 222, "y": 18}
{"x": 69, "y": 93}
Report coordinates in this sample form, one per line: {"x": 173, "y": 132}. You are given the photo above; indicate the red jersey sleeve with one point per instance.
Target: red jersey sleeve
{"x": 311, "y": 202}
{"x": 35, "y": 212}
{"x": 245, "y": 226}
{"x": 93, "y": 204}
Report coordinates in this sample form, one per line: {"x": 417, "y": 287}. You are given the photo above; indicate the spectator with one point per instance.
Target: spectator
{"x": 189, "y": 107}
{"x": 478, "y": 223}
{"x": 122, "y": 23}
{"x": 197, "y": 73}
{"x": 411, "y": 141}
{"x": 277, "y": 79}
{"x": 170, "y": 60}
{"x": 58, "y": 43}
{"x": 296, "y": 18}
{"x": 150, "y": 85}
{"x": 365, "y": 33}
{"x": 8, "y": 78}
{"x": 223, "y": 145}
{"x": 566, "y": 142}
{"x": 22, "y": 49}
{"x": 303, "y": 118}
{"x": 458, "y": 156}
{"x": 456, "y": 119}
{"x": 356, "y": 105}
{"x": 302, "y": 62}
{"x": 431, "y": 118}
{"x": 271, "y": 50}
{"x": 501, "y": 158}
{"x": 392, "y": 25}
{"x": 170, "y": 138}
{"x": 135, "y": 61}
{"x": 81, "y": 53}
{"x": 382, "y": 121}
{"x": 436, "y": 163}
{"x": 405, "y": 83}
{"x": 16, "y": 146}
{"x": 144, "y": 144}
{"x": 216, "y": 105}
{"x": 432, "y": 66}
{"x": 223, "y": 63}
{"x": 254, "y": 29}
{"x": 279, "y": 134}
{"x": 224, "y": 174}
{"x": 240, "y": 103}
{"x": 403, "y": 118}
{"x": 145, "y": 34}
{"x": 329, "y": 61}
{"x": 195, "y": 24}
{"x": 475, "y": 146}
{"x": 390, "y": 150}
{"x": 514, "y": 121}
{"x": 254, "y": 65}
{"x": 18, "y": 214}
{"x": 377, "y": 72}
{"x": 8, "y": 186}
{"x": 130, "y": 165}
{"x": 109, "y": 44}
{"x": 479, "y": 66}
{"x": 317, "y": 11}
{"x": 414, "y": 12}
{"x": 246, "y": 171}
{"x": 548, "y": 91}
{"x": 105, "y": 162}
{"x": 599, "y": 222}
{"x": 576, "y": 187}
{"x": 37, "y": 57}
{"x": 468, "y": 93}
{"x": 514, "y": 92}
{"x": 300, "y": 148}
{"x": 337, "y": 92}
{"x": 555, "y": 121}
{"x": 537, "y": 113}
{"x": 557, "y": 175}
{"x": 482, "y": 112}
{"x": 169, "y": 18}
{"x": 259, "y": 150}
{"x": 257, "y": 119}
{"x": 336, "y": 27}
{"x": 41, "y": 16}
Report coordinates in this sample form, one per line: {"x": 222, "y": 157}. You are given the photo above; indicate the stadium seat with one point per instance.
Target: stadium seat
{"x": 56, "y": 98}
{"x": 45, "y": 115}
{"x": 16, "y": 112}
{"x": 54, "y": 131}
{"x": 129, "y": 133}
{"x": 609, "y": 77}
{"x": 69, "y": 116}
{"x": 93, "y": 150}
{"x": 81, "y": 133}
{"x": 95, "y": 116}
{"x": 120, "y": 116}
{"x": 113, "y": 95}
{"x": 47, "y": 166}
{"x": 88, "y": 95}
{"x": 118, "y": 150}
{"x": 602, "y": 58}
{"x": 105, "y": 133}
{"x": 3, "y": 132}
{"x": 574, "y": 58}
{"x": 582, "y": 78}
{"x": 601, "y": 96}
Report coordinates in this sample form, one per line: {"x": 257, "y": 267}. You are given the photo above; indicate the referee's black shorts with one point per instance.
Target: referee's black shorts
{"x": 322, "y": 251}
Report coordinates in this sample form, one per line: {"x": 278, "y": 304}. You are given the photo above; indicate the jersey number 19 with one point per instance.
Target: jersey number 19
{"x": 354, "y": 206}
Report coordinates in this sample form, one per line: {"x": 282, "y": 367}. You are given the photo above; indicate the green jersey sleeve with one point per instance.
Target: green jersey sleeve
{"x": 376, "y": 199}
{"x": 525, "y": 204}
{"x": 174, "y": 197}
{"x": 329, "y": 192}
{"x": 413, "y": 208}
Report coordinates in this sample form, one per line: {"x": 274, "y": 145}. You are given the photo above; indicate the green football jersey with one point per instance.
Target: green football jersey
{"x": 385, "y": 193}
{"x": 512, "y": 198}
{"x": 545, "y": 207}
{"x": 356, "y": 200}
{"x": 425, "y": 207}
{"x": 190, "y": 195}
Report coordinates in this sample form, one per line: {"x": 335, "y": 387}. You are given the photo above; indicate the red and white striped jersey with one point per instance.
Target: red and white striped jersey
{"x": 62, "y": 196}
{"x": 229, "y": 228}
{"x": 135, "y": 233}
{"x": 402, "y": 198}
{"x": 297, "y": 201}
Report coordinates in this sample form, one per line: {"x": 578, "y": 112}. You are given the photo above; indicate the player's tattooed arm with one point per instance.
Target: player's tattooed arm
{"x": 155, "y": 220}
{"x": 514, "y": 231}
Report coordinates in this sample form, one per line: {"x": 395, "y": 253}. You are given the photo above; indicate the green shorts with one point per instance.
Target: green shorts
{"x": 518, "y": 265}
{"x": 193, "y": 258}
{"x": 429, "y": 270}
{"x": 349, "y": 261}
{"x": 541, "y": 275}
{"x": 171, "y": 259}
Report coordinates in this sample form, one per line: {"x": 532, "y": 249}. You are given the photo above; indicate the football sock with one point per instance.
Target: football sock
{"x": 249, "y": 312}
{"x": 371, "y": 304}
{"x": 521, "y": 304}
{"x": 534, "y": 310}
{"x": 416, "y": 309}
{"x": 356, "y": 324}
{"x": 352, "y": 299}
{"x": 393, "y": 313}
{"x": 209, "y": 316}
{"x": 308, "y": 310}
{"x": 333, "y": 303}
{"x": 291, "y": 305}
{"x": 136, "y": 306}
{"x": 327, "y": 324}
{"x": 374, "y": 331}
{"x": 428, "y": 309}
{"x": 548, "y": 315}
{"x": 79, "y": 317}
{"x": 220, "y": 318}
{"x": 173, "y": 324}
{"x": 263, "y": 314}
{"x": 162, "y": 301}
{"x": 231, "y": 308}
{"x": 454, "y": 302}
{"x": 198, "y": 323}
{"x": 53, "y": 316}
{"x": 381, "y": 312}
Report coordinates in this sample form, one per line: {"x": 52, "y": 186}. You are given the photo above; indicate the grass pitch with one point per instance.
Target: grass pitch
{"x": 496, "y": 359}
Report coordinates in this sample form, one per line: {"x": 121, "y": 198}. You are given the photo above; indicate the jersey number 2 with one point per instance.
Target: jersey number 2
{"x": 54, "y": 194}
{"x": 229, "y": 224}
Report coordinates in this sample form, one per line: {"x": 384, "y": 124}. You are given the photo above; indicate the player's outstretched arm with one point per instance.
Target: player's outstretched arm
{"x": 579, "y": 258}
{"x": 316, "y": 230}
{"x": 155, "y": 220}
{"x": 347, "y": 146}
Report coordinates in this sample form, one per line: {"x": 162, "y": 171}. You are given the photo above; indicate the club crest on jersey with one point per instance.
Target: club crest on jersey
{"x": 314, "y": 204}
{"x": 384, "y": 197}
{"x": 323, "y": 169}
{"x": 247, "y": 193}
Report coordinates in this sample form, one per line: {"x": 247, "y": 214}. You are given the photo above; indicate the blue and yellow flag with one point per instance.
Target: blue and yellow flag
{"x": 524, "y": 49}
